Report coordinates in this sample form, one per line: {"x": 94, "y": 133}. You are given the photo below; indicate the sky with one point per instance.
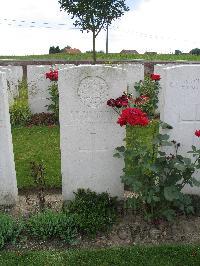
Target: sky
{"x": 150, "y": 25}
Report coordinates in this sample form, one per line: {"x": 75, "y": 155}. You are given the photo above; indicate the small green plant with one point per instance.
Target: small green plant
{"x": 38, "y": 175}
{"x": 157, "y": 178}
{"x": 95, "y": 212}
{"x": 49, "y": 225}
{"x": 54, "y": 98}
{"x": 9, "y": 229}
{"x": 20, "y": 113}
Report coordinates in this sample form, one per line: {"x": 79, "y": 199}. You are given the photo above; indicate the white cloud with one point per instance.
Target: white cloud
{"x": 168, "y": 25}
{"x": 160, "y": 25}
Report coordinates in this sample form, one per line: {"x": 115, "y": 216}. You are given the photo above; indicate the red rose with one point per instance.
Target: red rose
{"x": 111, "y": 102}
{"x": 155, "y": 77}
{"x": 197, "y": 133}
{"x": 141, "y": 100}
{"x": 52, "y": 75}
{"x": 133, "y": 117}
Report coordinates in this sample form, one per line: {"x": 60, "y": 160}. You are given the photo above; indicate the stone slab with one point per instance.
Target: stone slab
{"x": 8, "y": 183}
{"x": 181, "y": 108}
{"x": 88, "y": 128}
{"x": 14, "y": 76}
{"x": 38, "y": 93}
{"x": 134, "y": 73}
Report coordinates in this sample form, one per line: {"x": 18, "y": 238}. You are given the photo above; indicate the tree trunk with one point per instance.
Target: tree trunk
{"x": 107, "y": 39}
{"x": 94, "y": 49}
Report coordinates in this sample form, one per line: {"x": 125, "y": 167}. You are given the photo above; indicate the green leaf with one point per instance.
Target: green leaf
{"x": 194, "y": 148}
{"x": 165, "y": 125}
{"x": 189, "y": 210}
{"x": 171, "y": 193}
{"x": 195, "y": 182}
{"x": 117, "y": 155}
{"x": 180, "y": 167}
{"x": 161, "y": 153}
{"x": 187, "y": 160}
{"x": 121, "y": 149}
{"x": 156, "y": 199}
{"x": 166, "y": 143}
{"x": 169, "y": 214}
{"x": 164, "y": 137}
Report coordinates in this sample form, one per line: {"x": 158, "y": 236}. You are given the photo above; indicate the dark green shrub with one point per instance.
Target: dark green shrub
{"x": 177, "y": 52}
{"x": 195, "y": 51}
{"x": 95, "y": 212}
{"x": 9, "y": 229}
{"x": 49, "y": 224}
{"x": 54, "y": 50}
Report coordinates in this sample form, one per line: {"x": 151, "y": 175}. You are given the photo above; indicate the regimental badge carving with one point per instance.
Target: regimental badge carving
{"x": 93, "y": 91}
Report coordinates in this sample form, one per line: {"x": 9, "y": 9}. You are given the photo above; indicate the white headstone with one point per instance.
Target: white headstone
{"x": 38, "y": 93}
{"x": 160, "y": 69}
{"x": 8, "y": 183}
{"x": 88, "y": 128}
{"x": 181, "y": 107}
{"x": 134, "y": 73}
{"x": 10, "y": 86}
{"x": 14, "y": 76}
{"x": 38, "y": 87}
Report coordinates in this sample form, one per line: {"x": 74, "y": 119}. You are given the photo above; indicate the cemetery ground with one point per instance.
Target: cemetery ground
{"x": 148, "y": 256}
{"x": 41, "y": 143}
{"x": 33, "y": 143}
{"x": 121, "y": 237}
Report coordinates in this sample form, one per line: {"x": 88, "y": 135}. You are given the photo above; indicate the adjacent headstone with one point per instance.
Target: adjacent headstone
{"x": 181, "y": 107}
{"x": 134, "y": 73}
{"x": 160, "y": 69}
{"x": 8, "y": 184}
{"x": 10, "y": 87}
{"x": 38, "y": 93}
{"x": 14, "y": 77}
{"x": 88, "y": 128}
{"x": 38, "y": 87}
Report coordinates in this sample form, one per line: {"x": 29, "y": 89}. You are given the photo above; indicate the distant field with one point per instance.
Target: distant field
{"x": 100, "y": 56}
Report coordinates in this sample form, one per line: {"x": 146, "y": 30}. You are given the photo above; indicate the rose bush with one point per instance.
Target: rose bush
{"x": 54, "y": 94}
{"x": 147, "y": 91}
{"x": 155, "y": 177}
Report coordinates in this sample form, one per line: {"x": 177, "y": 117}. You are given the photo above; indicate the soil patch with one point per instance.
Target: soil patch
{"x": 129, "y": 230}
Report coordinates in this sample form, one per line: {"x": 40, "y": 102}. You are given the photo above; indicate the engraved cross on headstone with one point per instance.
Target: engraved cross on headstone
{"x": 93, "y": 151}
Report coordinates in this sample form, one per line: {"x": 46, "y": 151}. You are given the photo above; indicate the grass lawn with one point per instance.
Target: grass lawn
{"x": 101, "y": 56}
{"x": 183, "y": 255}
{"x": 42, "y": 143}
{"x": 36, "y": 144}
